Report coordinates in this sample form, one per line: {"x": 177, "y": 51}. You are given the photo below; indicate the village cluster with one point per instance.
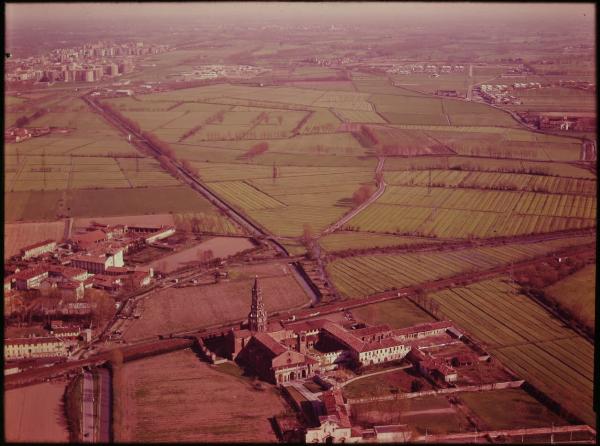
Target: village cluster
{"x": 92, "y": 258}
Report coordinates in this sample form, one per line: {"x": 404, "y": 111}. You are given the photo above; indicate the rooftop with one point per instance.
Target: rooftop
{"x": 30, "y": 273}
{"x": 378, "y": 345}
{"x": 270, "y": 344}
{"x": 368, "y": 331}
{"x": 344, "y": 336}
{"x": 32, "y": 341}
{"x": 38, "y": 245}
{"x": 421, "y": 328}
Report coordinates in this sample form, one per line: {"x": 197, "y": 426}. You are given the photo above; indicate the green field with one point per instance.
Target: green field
{"x": 577, "y": 293}
{"x": 342, "y": 241}
{"x": 301, "y": 129}
{"x": 463, "y": 213}
{"x": 464, "y": 163}
{"x": 361, "y": 276}
{"x": 527, "y": 339}
{"x": 492, "y": 180}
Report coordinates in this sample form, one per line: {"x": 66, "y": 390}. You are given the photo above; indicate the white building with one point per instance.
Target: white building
{"x": 21, "y": 348}
{"x": 38, "y": 249}
{"x": 96, "y": 263}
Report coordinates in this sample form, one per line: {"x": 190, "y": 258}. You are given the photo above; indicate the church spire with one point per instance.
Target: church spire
{"x": 257, "y": 319}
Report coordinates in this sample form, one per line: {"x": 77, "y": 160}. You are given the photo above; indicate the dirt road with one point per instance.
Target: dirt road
{"x": 380, "y": 190}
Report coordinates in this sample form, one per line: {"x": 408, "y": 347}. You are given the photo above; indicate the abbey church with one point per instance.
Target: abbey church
{"x": 279, "y": 352}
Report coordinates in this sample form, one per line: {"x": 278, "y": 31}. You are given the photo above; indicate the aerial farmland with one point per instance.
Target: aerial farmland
{"x": 346, "y": 225}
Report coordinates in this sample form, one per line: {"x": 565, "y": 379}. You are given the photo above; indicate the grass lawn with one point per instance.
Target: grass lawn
{"x": 398, "y": 313}
{"x": 398, "y": 381}
{"x": 432, "y": 414}
{"x": 524, "y": 411}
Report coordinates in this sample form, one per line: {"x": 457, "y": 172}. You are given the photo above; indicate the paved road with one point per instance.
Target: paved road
{"x": 87, "y": 409}
{"x": 380, "y": 190}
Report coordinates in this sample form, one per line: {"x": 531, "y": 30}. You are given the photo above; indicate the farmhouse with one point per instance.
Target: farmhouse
{"x": 30, "y": 278}
{"x": 89, "y": 239}
{"x": 65, "y": 287}
{"x": 99, "y": 260}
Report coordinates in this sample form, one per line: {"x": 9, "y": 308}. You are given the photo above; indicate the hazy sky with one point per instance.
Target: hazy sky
{"x": 336, "y": 11}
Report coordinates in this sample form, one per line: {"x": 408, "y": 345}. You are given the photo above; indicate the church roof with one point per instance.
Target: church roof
{"x": 242, "y": 333}
{"x": 270, "y": 344}
{"x": 368, "y": 331}
{"x": 343, "y": 336}
{"x": 290, "y": 358}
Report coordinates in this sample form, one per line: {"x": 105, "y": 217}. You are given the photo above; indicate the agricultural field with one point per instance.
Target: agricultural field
{"x": 244, "y": 195}
{"x": 492, "y": 180}
{"x": 323, "y": 85}
{"x": 442, "y": 212}
{"x": 34, "y": 414}
{"x": 556, "y": 99}
{"x": 50, "y": 205}
{"x": 344, "y": 100}
{"x": 177, "y": 397}
{"x": 516, "y": 144}
{"x": 35, "y": 173}
{"x": 19, "y": 235}
{"x": 283, "y": 205}
{"x": 525, "y": 411}
{"x": 424, "y": 83}
{"x": 320, "y": 121}
{"x": 359, "y": 116}
{"x": 530, "y": 341}
{"x": 399, "y": 142}
{"x": 179, "y": 309}
{"x": 342, "y": 241}
{"x": 361, "y": 276}
{"x": 464, "y": 163}
{"x": 298, "y": 127}
{"x": 78, "y": 173}
{"x": 577, "y": 294}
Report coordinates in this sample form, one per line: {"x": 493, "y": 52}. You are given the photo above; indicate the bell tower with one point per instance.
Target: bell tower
{"x": 257, "y": 318}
